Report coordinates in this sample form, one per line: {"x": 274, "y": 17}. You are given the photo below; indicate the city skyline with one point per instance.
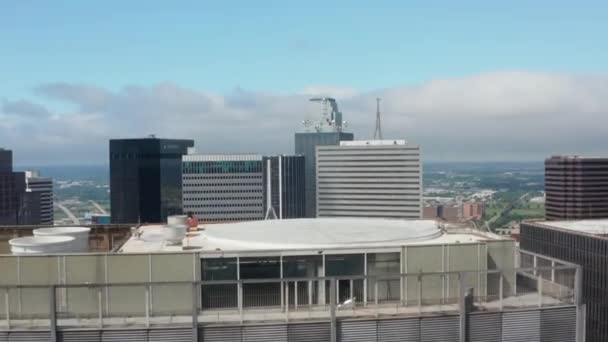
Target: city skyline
{"x": 471, "y": 81}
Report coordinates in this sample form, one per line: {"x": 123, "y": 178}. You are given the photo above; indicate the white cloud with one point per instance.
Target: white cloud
{"x": 23, "y": 109}
{"x": 335, "y": 92}
{"x": 493, "y": 116}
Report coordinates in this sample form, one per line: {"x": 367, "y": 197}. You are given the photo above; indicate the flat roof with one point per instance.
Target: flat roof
{"x": 577, "y": 157}
{"x": 305, "y": 234}
{"x": 222, "y": 157}
{"x": 594, "y": 227}
{"x": 373, "y": 142}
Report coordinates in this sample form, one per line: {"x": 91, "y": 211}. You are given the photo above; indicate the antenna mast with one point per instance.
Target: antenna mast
{"x": 378, "y": 131}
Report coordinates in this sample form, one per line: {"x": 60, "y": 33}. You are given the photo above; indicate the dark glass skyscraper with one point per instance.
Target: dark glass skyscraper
{"x": 12, "y": 190}
{"x": 305, "y": 144}
{"x": 38, "y": 203}
{"x": 576, "y": 188}
{"x": 287, "y": 186}
{"x": 25, "y": 197}
{"x": 584, "y": 243}
{"x": 146, "y": 178}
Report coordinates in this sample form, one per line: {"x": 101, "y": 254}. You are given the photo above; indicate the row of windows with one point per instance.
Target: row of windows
{"x": 145, "y": 155}
{"x": 213, "y": 167}
{"x": 223, "y": 177}
{"x": 223, "y": 191}
{"x": 344, "y": 187}
{"x": 231, "y": 198}
{"x": 230, "y": 219}
{"x": 227, "y": 205}
{"x": 223, "y": 184}
{"x": 222, "y": 212}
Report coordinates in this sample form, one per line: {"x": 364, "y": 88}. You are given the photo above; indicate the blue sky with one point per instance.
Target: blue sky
{"x": 284, "y": 47}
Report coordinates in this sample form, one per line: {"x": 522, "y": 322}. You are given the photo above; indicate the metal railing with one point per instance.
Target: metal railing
{"x": 185, "y": 302}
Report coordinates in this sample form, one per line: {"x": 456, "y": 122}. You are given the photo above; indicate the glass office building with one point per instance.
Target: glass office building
{"x": 305, "y": 145}
{"x": 287, "y": 186}
{"x": 145, "y": 179}
{"x": 12, "y": 190}
{"x": 235, "y": 187}
{"x": 223, "y": 187}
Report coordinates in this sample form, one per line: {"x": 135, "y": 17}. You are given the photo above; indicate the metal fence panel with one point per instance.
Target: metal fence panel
{"x": 357, "y": 331}
{"x": 399, "y": 330}
{"x": 79, "y": 336}
{"x": 307, "y": 332}
{"x": 558, "y": 325}
{"x": 29, "y": 336}
{"x": 521, "y": 326}
{"x": 221, "y": 334}
{"x": 444, "y": 329}
{"x": 485, "y": 327}
{"x": 124, "y": 336}
{"x": 264, "y": 333}
{"x": 170, "y": 335}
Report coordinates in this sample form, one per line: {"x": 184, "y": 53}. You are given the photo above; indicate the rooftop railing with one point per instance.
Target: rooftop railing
{"x": 192, "y": 302}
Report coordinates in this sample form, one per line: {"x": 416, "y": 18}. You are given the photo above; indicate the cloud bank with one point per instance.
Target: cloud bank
{"x": 493, "y": 116}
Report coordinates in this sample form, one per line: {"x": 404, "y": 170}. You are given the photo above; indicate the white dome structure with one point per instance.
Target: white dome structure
{"x": 42, "y": 244}
{"x": 319, "y": 233}
{"x": 80, "y": 235}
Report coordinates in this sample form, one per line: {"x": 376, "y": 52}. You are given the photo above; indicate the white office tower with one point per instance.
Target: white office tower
{"x": 223, "y": 187}
{"x": 369, "y": 178}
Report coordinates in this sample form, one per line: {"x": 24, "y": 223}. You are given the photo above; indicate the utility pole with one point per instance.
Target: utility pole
{"x": 378, "y": 131}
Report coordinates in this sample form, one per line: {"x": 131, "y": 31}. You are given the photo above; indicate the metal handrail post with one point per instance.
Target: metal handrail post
{"x": 295, "y": 295}
{"x": 287, "y": 302}
{"x": 99, "y": 308}
{"x": 53, "y": 312}
{"x": 7, "y": 304}
{"x": 310, "y": 293}
{"x": 332, "y": 309}
{"x": 500, "y": 291}
{"x": 419, "y": 293}
{"x": 463, "y": 307}
{"x": 539, "y": 285}
{"x": 195, "y": 296}
{"x": 147, "y": 297}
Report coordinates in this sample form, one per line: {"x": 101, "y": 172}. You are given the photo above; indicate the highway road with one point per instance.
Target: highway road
{"x": 99, "y": 208}
{"x": 67, "y": 211}
{"x": 505, "y": 211}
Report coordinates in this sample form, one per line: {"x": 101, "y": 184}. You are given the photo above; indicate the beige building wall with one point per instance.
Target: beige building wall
{"x": 177, "y": 299}
{"x": 96, "y": 269}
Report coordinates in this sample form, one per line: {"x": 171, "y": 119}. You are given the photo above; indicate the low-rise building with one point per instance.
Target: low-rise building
{"x": 584, "y": 243}
{"x": 330, "y": 279}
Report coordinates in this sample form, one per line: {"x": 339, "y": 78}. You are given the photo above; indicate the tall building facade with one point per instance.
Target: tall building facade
{"x": 243, "y": 187}
{"x": 38, "y": 200}
{"x": 12, "y": 190}
{"x": 305, "y": 145}
{"x": 287, "y": 187}
{"x": 146, "y": 178}
{"x": 374, "y": 178}
{"x": 223, "y": 187}
{"x": 25, "y": 197}
{"x": 584, "y": 243}
{"x": 576, "y": 188}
